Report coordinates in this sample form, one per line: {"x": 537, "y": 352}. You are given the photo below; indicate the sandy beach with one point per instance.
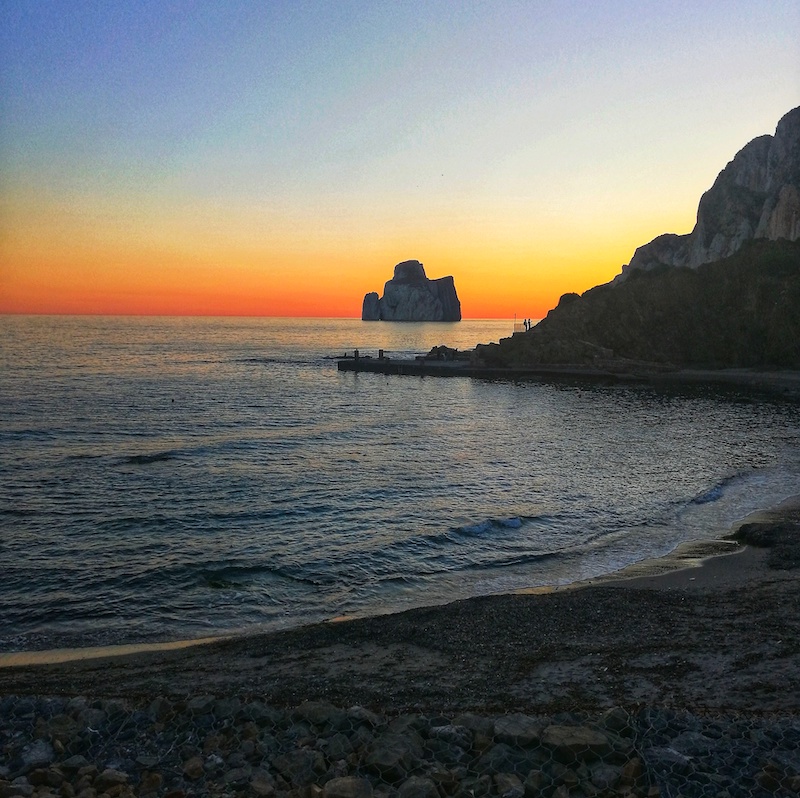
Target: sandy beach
{"x": 724, "y": 635}
{"x": 677, "y": 677}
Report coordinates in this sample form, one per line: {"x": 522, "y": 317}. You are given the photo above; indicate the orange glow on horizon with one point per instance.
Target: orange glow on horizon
{"x": 250, "y": 161}
{"x": 91, "y": 258}
{"x": 73, "y": 286}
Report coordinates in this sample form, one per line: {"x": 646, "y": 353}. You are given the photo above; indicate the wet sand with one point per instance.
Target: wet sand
{"x": 722, "y": 635}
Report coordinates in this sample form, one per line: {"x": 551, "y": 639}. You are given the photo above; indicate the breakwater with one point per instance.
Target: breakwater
{"x": 432, "y": 367}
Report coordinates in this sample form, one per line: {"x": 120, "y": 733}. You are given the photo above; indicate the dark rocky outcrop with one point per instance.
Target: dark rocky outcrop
{"x": 740, "y": 312}
{"x": 757, "y": 195}
{"x": 411, "y": 296}
{"x": 776, "y": 529}
{"x": 371, "y": 309}
{"x": 727, "y": 295}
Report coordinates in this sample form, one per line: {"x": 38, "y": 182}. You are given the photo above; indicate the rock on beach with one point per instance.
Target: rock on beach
{"x": 682, "y": 684}
{"x": 170, "y": 748}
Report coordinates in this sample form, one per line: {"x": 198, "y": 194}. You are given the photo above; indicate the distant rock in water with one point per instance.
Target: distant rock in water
{"x": 411, "y": 296}
{"x": 757, "y": 195}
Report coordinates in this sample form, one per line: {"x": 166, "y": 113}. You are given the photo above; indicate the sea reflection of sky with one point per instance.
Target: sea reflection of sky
{"x": 189, "y": 478}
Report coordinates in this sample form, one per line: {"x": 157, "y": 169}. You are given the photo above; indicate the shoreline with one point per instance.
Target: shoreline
{"x": 782, "y": 383}
{"x": 679, "y": 677}
{"x": 687, "y": 555}
{"x": 58, "y": 656}
{"x": 718, "y": 637}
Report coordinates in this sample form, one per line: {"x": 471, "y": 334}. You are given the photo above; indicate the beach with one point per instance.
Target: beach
{"x": 694, "y": 645}
{"x": 713, "y": 625}
{"x": 721, "y": 635}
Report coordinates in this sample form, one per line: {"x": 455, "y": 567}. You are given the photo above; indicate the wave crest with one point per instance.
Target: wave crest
{"x": 481, "y": 528}
{"x": 146, "y": 459}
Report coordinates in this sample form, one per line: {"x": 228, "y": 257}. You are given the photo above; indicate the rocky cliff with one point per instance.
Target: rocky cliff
{"x": 757, "y": 195}
{"x": 411, "y": 296}
{"x": 727, "y": 295}
{"x": 739, "y": 312}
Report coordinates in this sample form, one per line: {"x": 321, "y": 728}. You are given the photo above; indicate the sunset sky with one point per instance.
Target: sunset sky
{"x": 278, "y": 158}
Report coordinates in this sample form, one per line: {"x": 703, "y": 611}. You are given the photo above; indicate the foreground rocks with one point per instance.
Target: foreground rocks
{"x": 226, "y": 746}
{"x": 684, "y": 684}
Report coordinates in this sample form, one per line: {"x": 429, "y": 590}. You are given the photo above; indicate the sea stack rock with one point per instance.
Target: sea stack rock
{"x": 411, "y": 296}
{"x": 757, "y": 195}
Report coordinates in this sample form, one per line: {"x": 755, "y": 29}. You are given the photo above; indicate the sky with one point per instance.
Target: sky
{"x": 276, "y": 158}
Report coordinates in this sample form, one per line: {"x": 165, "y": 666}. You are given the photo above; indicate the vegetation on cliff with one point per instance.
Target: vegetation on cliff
{"x": 739, "y": 312}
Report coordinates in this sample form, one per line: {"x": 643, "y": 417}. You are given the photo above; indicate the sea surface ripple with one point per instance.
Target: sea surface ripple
{"x": 165, "y": 478}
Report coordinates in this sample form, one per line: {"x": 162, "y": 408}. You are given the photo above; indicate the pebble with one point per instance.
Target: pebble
{"x": 223, "y": 746}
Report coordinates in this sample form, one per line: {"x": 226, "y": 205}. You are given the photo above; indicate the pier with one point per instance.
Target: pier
{"x": 781, "y": 383}
{"x": 417, "y": 367}
{"x": 427, "y": 366}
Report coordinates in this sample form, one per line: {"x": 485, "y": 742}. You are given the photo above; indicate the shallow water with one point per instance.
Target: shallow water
{"x": 171, "y": 478}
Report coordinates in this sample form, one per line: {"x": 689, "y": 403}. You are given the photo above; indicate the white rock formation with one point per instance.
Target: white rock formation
{"x": 411, "y": 296}
{"x": 757, "y": 195}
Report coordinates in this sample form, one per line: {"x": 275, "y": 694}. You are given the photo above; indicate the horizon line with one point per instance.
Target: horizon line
{"x": 511, "y": 318}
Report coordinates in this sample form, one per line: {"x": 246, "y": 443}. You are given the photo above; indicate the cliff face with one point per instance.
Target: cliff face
{"x": 740, "y": 312}
{"x": 757, "y": 195}
{"x": 727, "y": 295}
{"x": 411, "y": 296}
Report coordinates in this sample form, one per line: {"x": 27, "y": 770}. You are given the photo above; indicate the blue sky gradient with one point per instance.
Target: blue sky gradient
{"x": 369, "y": 132}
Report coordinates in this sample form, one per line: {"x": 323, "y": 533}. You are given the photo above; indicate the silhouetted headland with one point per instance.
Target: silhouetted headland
{"x": 721, "y": 304}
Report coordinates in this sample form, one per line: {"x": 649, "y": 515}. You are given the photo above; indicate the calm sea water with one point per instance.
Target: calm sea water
{"x": 172, "y": 478}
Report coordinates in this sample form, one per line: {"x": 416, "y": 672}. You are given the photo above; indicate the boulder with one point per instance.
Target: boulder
{"x": 517, "y": 729}
{"x": 393, "y": 756}
{"x": 321, "y": 714}
{"x": 418, "y": 787}
{"x": 347, "y": 787}
{"x": 411, "y": 296}
{"x": 300, "y": 767}
{"x": 110, "y": 778}
{"x": 576, "y": 743}
{"x": 193, "y": 768}
{"x": 37, "y": 754}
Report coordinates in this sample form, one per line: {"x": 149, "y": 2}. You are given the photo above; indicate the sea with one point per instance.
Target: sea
{"x": 166, "y": 479}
